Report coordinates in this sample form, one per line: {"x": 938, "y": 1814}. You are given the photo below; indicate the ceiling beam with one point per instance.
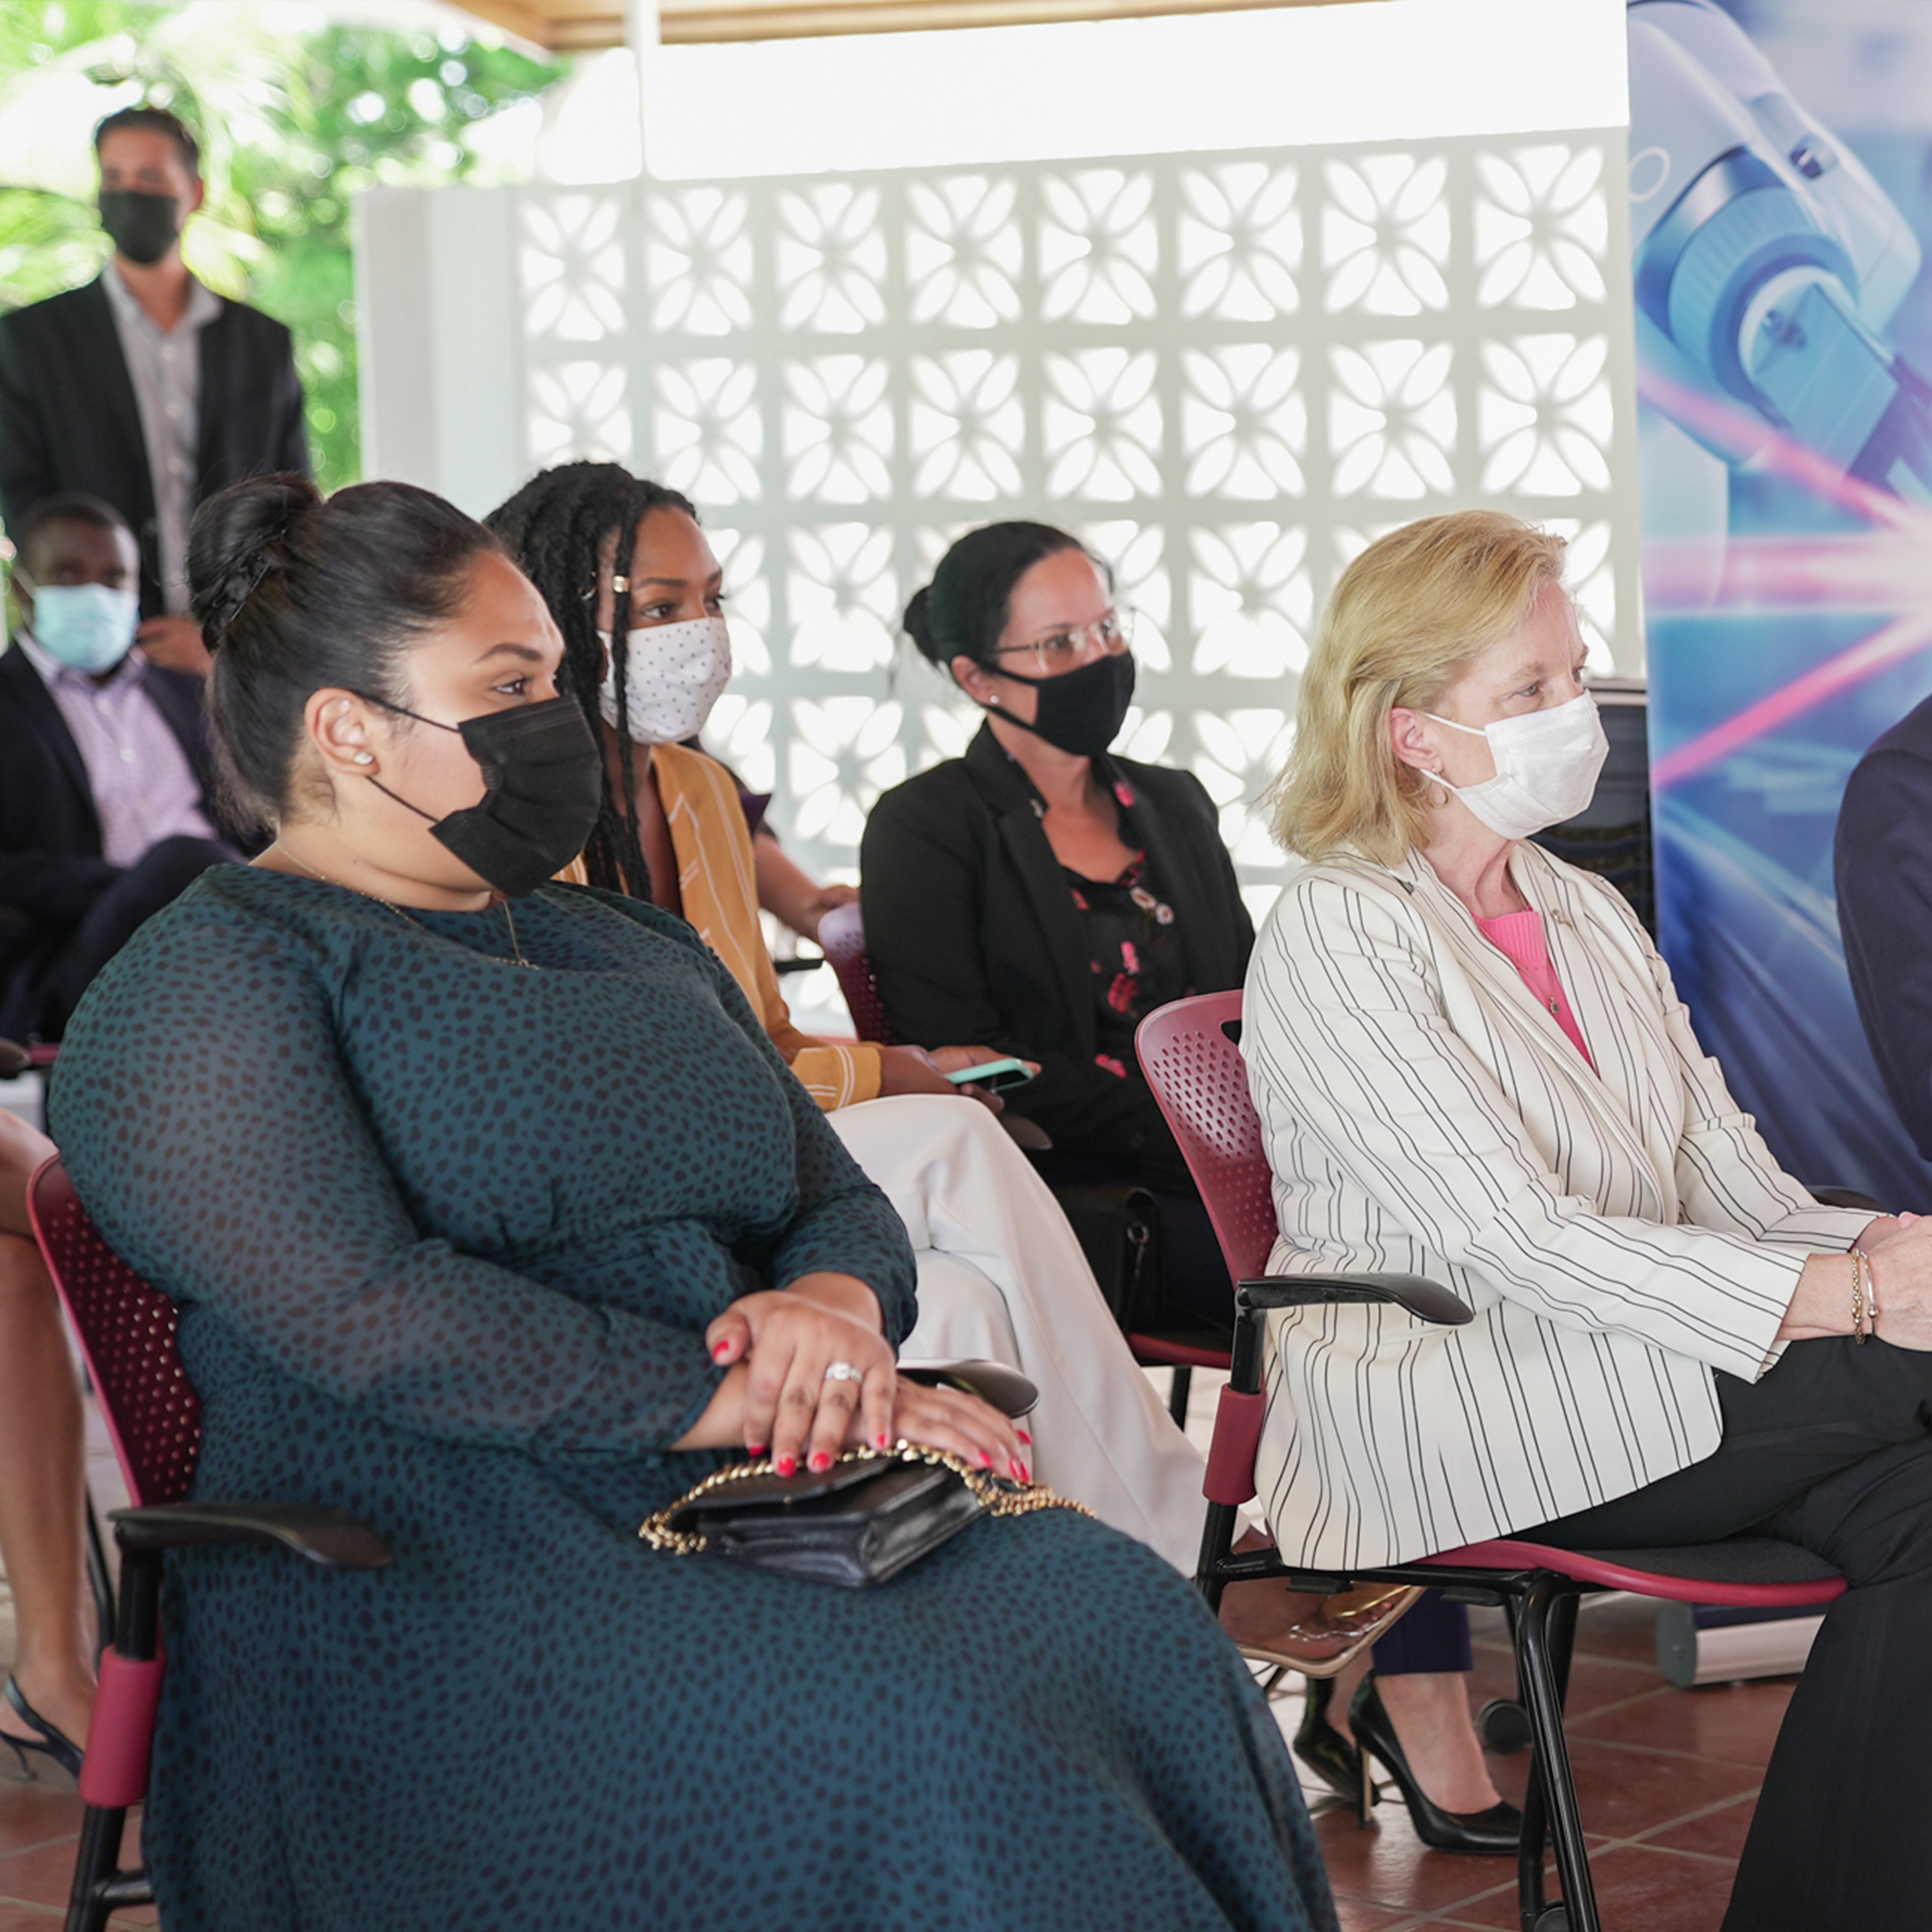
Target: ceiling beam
{"x": 580, "y": 26}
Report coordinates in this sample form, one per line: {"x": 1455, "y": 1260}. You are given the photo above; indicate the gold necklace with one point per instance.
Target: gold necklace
{"x": 410, "y": 918}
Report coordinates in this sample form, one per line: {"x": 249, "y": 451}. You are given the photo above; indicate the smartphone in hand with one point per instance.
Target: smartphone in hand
{"x": 997, "y": 1076}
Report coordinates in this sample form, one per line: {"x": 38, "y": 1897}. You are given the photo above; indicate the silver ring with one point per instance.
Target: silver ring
{"x": 843, "y": 1372}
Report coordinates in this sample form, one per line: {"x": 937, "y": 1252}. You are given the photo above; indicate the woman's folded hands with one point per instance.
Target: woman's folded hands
{"x": 810, "y": 1373}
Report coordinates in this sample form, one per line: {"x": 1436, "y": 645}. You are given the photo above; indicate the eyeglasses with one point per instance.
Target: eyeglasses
{"x": 1107, "y": 636}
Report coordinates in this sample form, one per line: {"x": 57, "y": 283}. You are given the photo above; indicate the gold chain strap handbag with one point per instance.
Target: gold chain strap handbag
{"x": 866, "y": 1518}
{"x": 861, "y": 1521}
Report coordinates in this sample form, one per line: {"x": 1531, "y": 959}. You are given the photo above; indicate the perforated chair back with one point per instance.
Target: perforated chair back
{"x": 1194, "y": 1065}
{"x": 842, "y": 938}
{"x": 127, "y": 1331}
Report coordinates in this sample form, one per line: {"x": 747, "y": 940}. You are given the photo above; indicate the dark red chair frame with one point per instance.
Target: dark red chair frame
{"x": 1191, "y": 1057}
{"x": 127, "y": 1332}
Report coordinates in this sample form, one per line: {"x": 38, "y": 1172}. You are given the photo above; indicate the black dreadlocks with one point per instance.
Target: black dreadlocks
{"x": 554, "y": 528}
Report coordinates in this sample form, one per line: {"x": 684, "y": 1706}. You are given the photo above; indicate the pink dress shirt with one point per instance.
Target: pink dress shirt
{"x": 1518, "y": 936}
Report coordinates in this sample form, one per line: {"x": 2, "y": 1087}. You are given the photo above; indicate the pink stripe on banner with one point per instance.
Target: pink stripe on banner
{"x": 1901, "y": 639}
{"x": 1731, "y": 427}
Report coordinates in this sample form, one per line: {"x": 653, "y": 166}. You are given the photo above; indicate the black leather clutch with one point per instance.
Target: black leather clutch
{"x": 858, "y": 1523}
{"x": 869, "y": 1515}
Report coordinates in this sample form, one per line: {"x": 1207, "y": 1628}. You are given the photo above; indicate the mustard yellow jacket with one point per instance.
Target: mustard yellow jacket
{"x": 718, "y": 887}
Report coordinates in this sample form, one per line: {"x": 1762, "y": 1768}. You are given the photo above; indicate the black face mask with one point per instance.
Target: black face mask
{"x": 545, "y": 777}
{"x": 144, "y": 226}
{"x": 1082, "y": 711}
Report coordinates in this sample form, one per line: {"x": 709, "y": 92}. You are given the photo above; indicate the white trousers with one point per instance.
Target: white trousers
{"x": 1002, "y": 1277}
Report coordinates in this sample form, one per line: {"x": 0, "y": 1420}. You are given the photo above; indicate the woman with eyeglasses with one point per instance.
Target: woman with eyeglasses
{"x": 1054, "y": 894}
{"x": 1043, "y": 895}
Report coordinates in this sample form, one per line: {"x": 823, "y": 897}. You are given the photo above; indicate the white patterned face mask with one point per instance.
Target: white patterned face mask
{"x": 1547, "y": 765}
{"x": 673, "y": 676}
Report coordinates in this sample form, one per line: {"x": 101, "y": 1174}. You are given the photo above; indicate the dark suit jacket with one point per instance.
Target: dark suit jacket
{"x": 51, "y": 867}
{"x": 976, "y": 940}
{"x": 68, "y": 419}
{"x": 1883, "y": 857}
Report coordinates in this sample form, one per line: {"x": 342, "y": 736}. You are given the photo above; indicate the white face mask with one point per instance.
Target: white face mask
{"x": 1547, "y": 764}
{"x": 673, "y": 676}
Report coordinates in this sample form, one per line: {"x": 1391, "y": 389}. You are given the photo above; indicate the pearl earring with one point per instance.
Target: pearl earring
{"x": 365, "y": 757}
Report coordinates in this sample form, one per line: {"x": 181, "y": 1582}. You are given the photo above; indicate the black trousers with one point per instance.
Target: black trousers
{"x": 1831, "y": 1450}
{"x": 156, "y": 879}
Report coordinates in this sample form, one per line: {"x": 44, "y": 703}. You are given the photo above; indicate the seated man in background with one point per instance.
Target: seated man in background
{"x": 104, "y": 808}
{"x": 1883, "y": 860}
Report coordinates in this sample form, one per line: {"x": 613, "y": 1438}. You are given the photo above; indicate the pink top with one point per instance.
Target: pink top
{"x": 1518, "y": 936}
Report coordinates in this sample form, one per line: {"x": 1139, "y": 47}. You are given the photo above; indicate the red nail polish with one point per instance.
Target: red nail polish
{"x": 1024, "y": 1437}
{"x": 985, "y": 1461}
{"x": 755, "y": 1449}
{"x": 881, "y": 1441}
{"x": 787, "y": 1465}
{"x": 821, "y": 1461}
{"x": 1019, "y": 1474}
{"x": 718, "y": 1353}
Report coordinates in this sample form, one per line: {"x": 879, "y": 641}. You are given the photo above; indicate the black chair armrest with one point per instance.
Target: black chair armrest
{"x": 1846, "y": 1197}
{"x": 1009, "y": 1391}
{"x": 332, "y": 1538}
{"x": 1428, "y": 1300}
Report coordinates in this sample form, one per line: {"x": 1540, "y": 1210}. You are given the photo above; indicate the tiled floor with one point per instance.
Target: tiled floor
{"x": 1667, "y": 1778}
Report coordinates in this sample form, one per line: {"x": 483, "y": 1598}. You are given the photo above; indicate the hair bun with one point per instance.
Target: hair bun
{"x": 918, "y": 623}
{"x": 238, "y": 536}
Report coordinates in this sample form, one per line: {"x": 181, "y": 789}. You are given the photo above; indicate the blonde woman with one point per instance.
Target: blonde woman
{"x": 1470, "y": 1063}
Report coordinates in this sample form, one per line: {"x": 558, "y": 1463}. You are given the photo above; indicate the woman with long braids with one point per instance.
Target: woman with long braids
{"x": 563, "y": 526}
{"x": 647, "y": 651}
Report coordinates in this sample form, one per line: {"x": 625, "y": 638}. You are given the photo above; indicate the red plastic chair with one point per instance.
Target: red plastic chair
{"x": 127, "y": 1331}
{"x": 1190, "y": 1052}
{"x": 842, "y": 938}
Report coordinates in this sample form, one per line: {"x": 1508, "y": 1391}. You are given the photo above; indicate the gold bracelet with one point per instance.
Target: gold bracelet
{"x": 1858, "y": 1298}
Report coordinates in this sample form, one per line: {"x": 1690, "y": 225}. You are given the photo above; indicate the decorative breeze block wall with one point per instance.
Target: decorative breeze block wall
{"x": 1227, "y": 372}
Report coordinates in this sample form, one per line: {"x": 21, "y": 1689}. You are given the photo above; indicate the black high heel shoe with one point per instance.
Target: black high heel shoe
{"x": 1493, "y": 1833}
{"x": 56, "y": 1743}
{"x": 1322, "y": 1748}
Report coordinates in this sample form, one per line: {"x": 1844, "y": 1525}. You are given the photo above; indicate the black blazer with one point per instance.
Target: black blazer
{"x": 68, "y": 419}
{"x": 51, "y": 867}
{"x": 976, "y": 940}
{"x": 1882, "y": 858}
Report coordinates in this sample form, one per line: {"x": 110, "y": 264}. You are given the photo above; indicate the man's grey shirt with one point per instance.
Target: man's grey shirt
{"x": 165, "y": 367}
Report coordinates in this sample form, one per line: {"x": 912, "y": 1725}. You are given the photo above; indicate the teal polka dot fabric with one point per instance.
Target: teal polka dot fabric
{"x": 445, "y": 1233}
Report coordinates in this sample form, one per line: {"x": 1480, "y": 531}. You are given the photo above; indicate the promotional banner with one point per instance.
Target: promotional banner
{"x": 1781, "y": 206}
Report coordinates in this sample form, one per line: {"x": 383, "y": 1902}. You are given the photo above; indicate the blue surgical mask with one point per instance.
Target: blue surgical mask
{"x": 87, "y": 626}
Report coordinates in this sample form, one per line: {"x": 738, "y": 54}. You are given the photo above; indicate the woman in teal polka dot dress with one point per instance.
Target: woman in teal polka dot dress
{"x": 494, "y": 1217}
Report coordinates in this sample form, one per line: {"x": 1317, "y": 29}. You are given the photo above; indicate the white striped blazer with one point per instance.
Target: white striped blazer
{"x": 1619, "y": 1234}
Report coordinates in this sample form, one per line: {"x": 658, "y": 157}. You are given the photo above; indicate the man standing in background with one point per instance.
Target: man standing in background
{"x": 143, "y": 388}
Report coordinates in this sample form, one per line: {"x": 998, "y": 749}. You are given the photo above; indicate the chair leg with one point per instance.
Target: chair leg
{"x": 100, "y": 1887}
{"x": 1545, "y": 1623}
{"x": 1217, "y": 1539}
{"x": 1177, "y": 1394}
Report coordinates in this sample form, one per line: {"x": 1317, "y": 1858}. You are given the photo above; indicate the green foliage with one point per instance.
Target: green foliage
{"x": 292, "y": 129}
